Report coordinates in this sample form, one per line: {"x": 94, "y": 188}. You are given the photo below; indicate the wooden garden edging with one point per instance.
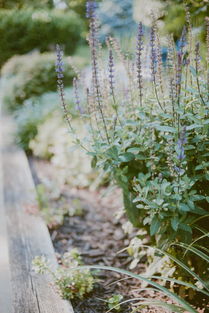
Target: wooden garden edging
{"x": 23, "y": 235}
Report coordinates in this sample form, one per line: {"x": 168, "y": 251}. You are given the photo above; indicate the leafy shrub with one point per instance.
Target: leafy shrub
{"x": 30, "y": 115}
{"x": 53, "y": 142}
{"x": 152, "y": 137}
{"x": 25, "y": 30}
{"x": 30, "y": 76}
{"x": 71, "y": 281}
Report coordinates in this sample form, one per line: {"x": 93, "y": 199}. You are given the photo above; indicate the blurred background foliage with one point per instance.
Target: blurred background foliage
{"x": 25, "y": 30}
{"x": 116, "y": 18}
{"x": 19, "y": 4}
{"x": 174, "y": 15}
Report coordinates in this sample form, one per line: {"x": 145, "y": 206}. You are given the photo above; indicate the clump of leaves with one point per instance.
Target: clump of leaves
{"x": 71, "y": 281}
{"x": 114, "y": 302}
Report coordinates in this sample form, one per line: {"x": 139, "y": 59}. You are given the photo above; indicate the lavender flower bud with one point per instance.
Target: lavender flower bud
{"x": 153, "y": 53}
{"x": 60, "y": 75}
{"x": 179, "y": 170}
{"x": 111, "y": 72}
{"x": 197, "y": 56}
{"x": 183, "y": 40}
{"x": 139, "y": 49}
{"x": 59, "y": 63}
{"x": 90, "y": 9}
{"x": 76, "y": 93}
{"x": 179, "y": 72}
{"x": 180, "y": 144}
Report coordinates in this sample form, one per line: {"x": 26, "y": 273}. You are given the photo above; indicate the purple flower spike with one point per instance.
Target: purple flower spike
{"x": 111, "y": 72}
{"x": 59, "y": 63}
{"x": 59, "y": 68}
{"x": 77, "y": 98}
{"x": 197, "y": 54}
{"x": 183, "y": 40}
{"x": 139, "y": 49}
{"x": 90, "y": 9}
{"x": 153, "y": 53}
{"x": 181, "y": 142}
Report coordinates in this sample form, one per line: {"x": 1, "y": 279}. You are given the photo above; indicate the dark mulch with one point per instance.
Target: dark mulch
{"x": 99, "y": 237}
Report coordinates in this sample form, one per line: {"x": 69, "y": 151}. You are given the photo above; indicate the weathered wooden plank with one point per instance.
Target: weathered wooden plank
{"x": 5, "y": 279}
{"x": 27, "y": 238}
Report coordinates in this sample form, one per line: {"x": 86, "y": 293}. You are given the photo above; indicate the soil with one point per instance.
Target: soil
{"x": 98, "y": 235}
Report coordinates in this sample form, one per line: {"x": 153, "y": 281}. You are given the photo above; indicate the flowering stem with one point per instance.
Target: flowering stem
{"x": 197, "y": 60}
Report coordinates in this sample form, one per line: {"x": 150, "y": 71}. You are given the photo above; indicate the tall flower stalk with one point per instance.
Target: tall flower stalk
{"x": 139, "y": 49}
{"x": 207, "y": 55}
{"x": 154, "y": 61}
{"x": 197, "y": 68}
{"x": 60, "y": 85}
{"x": 93, "y": 42}
{"x": 112, "y": 83}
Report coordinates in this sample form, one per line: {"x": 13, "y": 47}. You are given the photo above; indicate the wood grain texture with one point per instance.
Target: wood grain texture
{"x": 5, "y": 278}
{"x": 27, "y": 237}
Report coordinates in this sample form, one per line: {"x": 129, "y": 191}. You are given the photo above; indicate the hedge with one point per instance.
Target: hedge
{"x": 32, "y": 75}
{"x": 24, "y": 30}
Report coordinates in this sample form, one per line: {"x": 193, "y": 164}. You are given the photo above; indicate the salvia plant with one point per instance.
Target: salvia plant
{"x": 149, "y": 133}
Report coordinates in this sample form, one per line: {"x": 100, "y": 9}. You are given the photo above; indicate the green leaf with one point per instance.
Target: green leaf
{"x": 134, "y": 150}
{"x": 193, "y": 71}
{"x": 94, "y": 162}
{"x": 175, "y": 223}
{"x": 185, "y": 227}
{"x": 166, "y": 129}
{"x": 126, "y": 157}
{"x": 183, "y": 207}
{"x": 202, "y": 166}
{"x": 193, "y": 126}
{"x": 112, "y": 152}
{"x": 155, "y": 225}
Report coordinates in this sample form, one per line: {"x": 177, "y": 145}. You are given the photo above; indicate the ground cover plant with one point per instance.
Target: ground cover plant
{"x": 151, "y": 137}
{"x": 70, "y": 283}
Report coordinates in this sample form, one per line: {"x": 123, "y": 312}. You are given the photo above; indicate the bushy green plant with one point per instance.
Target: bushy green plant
{"x": 30, "y": 76}
{"x": 25, "y": 30}
{"x": 71, "y": 281}
{"x": 31, "y": 115}
{"x": 53, "y": 142}
{"x": 152, "y": 137}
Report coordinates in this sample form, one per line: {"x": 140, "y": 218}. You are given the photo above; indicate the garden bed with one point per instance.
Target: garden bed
{"x": 96, "y": 231}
